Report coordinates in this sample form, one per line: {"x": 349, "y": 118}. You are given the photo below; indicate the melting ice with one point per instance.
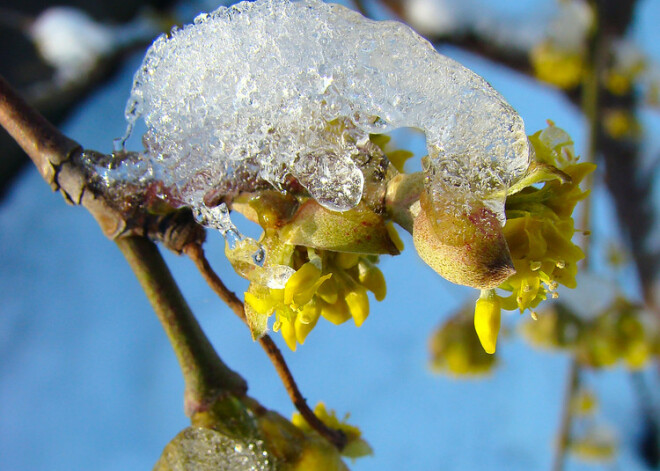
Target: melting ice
{"x": 250, "y": 90}
{"x": 205, "y": 449}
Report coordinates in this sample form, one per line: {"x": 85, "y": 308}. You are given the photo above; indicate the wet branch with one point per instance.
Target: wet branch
{"x": 196, "y": 254}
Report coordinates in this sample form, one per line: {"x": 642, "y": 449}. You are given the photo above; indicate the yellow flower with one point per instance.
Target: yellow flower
{"x": 621, "y": 124}
{"x": 297, "y": 311}
{"x": 539, "y": 227}
{"x": 584, "y": 403}
{"x": 597, "y": 444}
{"x": 356, "y": 446}
{"x": 559, "y": 67}
{"x": 332, "y": 285}
{"x": 303, "y": 284}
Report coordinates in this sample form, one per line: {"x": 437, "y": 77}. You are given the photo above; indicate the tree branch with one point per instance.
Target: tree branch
{"x": 42, "y": 142}
{"x": 205, "y": 374}
{"x": 196, "y": 254}
{"x": 61, "y": 162}
{"x": 564, "y": 435}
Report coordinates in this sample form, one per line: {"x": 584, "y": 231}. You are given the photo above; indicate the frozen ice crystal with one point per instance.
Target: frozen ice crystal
{"x": 217, "y": 217}
{"x": 255, "y": 89}
{"x": 204, "y": 449}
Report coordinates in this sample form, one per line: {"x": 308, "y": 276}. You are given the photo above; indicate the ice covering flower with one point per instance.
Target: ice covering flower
{"x": 539, "y": 225}
{"x": 301, "y": 283}
{"x": 539, "y": 228}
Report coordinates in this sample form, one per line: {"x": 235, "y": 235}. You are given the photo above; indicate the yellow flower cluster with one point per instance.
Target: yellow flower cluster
{"x": 618, "y": 334}
{"x": 326, "y": 284}
{"x": 539, "y": 227}
{"x": 621, "y": 124}
{"x": 356, "y": 446}
{"x": 538, "y": 231}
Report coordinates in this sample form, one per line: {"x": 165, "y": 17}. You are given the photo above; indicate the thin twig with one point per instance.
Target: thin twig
{"x": 361, "y": 7}
{"x": 206, "y": 375}
{"x": 564, "y": 436}
{"x": 591, "y": 106}
{"x": 196, "y": 254}
{"x": 591, "y": 97}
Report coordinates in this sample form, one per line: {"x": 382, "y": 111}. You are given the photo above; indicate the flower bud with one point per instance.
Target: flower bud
{"x": 487, "y": 315}
{"x": 466, "y": 247}
{"x": 372, "y": 278}
{"x": 358, "y": 230}
{"x": 336, "y": 313}
{"x": 358, "y": 304}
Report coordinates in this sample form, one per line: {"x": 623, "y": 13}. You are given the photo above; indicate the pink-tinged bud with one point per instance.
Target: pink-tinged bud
{"x": 464, "y": 246}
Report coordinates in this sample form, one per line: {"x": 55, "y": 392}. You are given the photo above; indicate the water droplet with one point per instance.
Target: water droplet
{"x": 259, "y": 256}
{"x": 233, "y": 237}
{"x": 534, "y": 265}
{"x": 534, "y": 315}
{"x": 561, "y": 264}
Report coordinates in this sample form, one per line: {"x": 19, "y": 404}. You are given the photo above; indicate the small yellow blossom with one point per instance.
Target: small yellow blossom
{"x": 487, "y": 315}
{"x": 621, "y": 124}
{"x": 539, "y": 227}
{"x": 584, "y": 403}
{"x": 303, "y": 284}
{"x": 598, "y": 444}
{"x": 356, "y": 446}
{"x": 621, "y": 333}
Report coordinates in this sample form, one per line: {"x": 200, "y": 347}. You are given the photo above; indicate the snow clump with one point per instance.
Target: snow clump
{"x": 251, "y": 90}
